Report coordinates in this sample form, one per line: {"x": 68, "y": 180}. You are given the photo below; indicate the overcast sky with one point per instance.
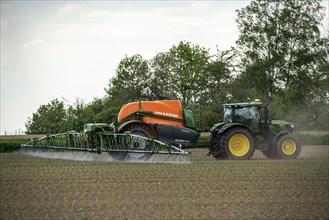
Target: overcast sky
{"x": 70, "y": 49}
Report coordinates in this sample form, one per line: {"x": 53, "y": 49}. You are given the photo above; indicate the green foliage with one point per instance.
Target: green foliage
{"x": 103, "y": 110}
{"x": 78, "y": 115}
{"x": 189, "y": 62}
{"x": 281, "y": 46}
{"x": 49, "y": 118}
{"x": 54, "y": 117}
{"x": 130, "y": 82}
{"x": 11, "y": 145}
{"x": 216, "y": 83}
{"x": 178, "y": 73}
{"x": 161, "y": 81}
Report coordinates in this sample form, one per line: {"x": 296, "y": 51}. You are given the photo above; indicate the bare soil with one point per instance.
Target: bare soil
{"x": 40, "y": 188}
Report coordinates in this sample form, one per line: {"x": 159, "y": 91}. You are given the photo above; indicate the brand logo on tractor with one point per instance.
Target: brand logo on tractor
{"x": 182, "y": 141}
{"x": 166, "y": 114}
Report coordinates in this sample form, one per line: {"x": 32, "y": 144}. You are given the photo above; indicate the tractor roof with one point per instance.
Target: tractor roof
{"x": 242, "y": 104}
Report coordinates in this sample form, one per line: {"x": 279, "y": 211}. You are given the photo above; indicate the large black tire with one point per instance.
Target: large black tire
{"x": 215, "y": 148}
{"x": 236, "y": 144}
{"x": 136, "y": 143}
{"x": 140, "y": 144}
{"x": 286, "y": 147}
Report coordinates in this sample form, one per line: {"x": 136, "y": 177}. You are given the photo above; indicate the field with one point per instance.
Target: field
{"x": 39, "y": 188}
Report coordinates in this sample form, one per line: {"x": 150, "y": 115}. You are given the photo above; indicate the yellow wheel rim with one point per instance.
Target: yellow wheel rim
{"x": 288, "y": 147}
{"x": 239, "y": 145}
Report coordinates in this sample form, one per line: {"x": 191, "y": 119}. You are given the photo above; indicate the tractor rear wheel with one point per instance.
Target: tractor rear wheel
{"x": 286, "y": 147}
{"x": 237, "y": 144}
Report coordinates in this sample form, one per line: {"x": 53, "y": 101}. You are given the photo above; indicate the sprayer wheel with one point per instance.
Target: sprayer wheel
{"x": 136, "y": 143}
{"x": 140, "y": 144}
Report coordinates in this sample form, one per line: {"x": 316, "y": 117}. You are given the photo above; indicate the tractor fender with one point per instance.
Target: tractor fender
{"x": 277, "y": 136}
{"x": 229, "y": 126}
{"x": 122, "y": 127}
{"x": 216, "y": 132}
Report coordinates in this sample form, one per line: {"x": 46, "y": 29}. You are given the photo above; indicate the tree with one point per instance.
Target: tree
{"x": 78, "y": 115}
{"x": 49, "y": 119}
{"x": 215, "y": 90}
{"x": 130, "y": 82}
{"x": 162, "y": 79}
{"x": 105, "y": 110}
{"x": 281, "y": 45}
{"x": 188, "y": 65}
{"x": 217, "y": 75}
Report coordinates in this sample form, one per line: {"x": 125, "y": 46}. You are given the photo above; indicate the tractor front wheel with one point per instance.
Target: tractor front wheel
{"x": 286, "y": 147}
{"x": 237, "y": 144}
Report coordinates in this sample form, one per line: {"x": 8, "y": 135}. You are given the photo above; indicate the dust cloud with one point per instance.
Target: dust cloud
{"x": 307, "y": 152}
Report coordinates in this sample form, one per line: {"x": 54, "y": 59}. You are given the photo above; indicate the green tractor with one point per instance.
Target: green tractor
{"x": 247, "y": 127}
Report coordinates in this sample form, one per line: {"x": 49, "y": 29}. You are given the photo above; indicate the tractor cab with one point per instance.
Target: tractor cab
{"x": 248, "y": 114}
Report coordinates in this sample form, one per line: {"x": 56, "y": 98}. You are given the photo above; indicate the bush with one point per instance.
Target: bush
{"x": 11, "y": 145}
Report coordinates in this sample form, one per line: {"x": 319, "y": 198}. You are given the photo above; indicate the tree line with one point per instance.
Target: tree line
{"x": 281, "y": 57}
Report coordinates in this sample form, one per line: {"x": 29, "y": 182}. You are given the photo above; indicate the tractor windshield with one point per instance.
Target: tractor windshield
{"x": 227, "y": 115}
{"x": 249, "y": 116}
{"x": 247, "y": 113}
{"x": 241, "y": 114}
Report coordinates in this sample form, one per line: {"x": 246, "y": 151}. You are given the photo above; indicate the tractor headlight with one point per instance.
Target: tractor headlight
{"x": 290, "y": 128}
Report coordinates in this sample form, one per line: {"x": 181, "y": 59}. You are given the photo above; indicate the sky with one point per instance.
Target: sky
{"x": 71, "y": 49}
